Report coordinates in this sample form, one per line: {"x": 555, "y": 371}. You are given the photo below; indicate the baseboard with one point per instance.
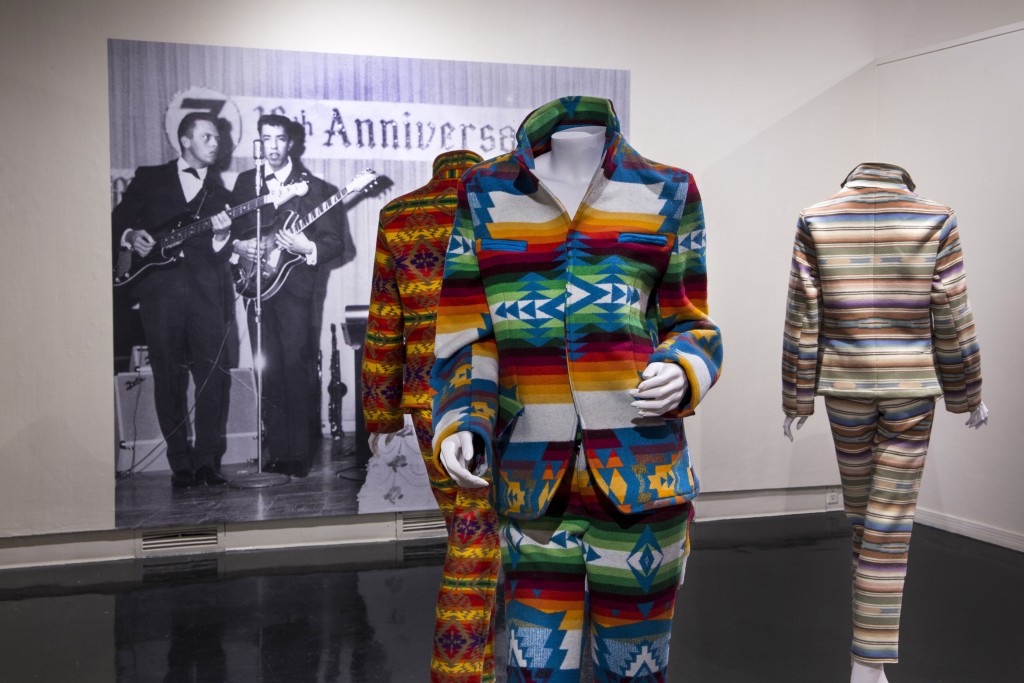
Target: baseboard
{"x": 130, "y": 544}
{"x": 717, "y": 505}
{"x": 1014, "y": 540}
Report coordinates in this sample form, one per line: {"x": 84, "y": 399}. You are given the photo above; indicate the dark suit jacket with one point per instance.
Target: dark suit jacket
{"x": 154, "y": 197}
{"x": 326, "y": 232}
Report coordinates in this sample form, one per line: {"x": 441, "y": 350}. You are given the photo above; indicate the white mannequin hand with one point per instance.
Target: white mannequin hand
{"x": 456, "y": 455}
{"x": 787, "y": 425}
{"x": 662, "y": 389}
{"x": 978, "y": 418}
{"x": 375, "y": 444}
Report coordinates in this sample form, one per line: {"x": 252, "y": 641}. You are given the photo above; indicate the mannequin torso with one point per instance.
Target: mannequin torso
{"x": 566, "y": 171}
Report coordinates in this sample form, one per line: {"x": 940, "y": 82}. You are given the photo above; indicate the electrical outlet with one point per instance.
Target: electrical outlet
{"x": 831, "y": 496}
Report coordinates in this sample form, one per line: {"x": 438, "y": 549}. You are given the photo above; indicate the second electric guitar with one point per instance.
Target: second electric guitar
{"x": 274, "y": 263}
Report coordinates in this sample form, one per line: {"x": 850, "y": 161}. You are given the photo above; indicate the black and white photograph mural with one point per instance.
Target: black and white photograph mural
{"x": 245, "y": 192}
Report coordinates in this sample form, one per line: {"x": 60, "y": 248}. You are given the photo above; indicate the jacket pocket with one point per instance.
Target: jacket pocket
{"x": 488, "y": 244}
{"x": 655, "y": 238}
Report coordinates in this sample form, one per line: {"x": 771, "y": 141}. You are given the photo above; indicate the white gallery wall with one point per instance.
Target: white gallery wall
{"x": 955, "y": 118}
{"x": 768, "y": 104}
{"x": 753, "y": 197}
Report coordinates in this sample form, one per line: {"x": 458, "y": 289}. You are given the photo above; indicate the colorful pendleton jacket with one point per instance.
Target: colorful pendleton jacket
{"x": 546, "y": 321}
{"x": 411, "y": 241}
{"x": 878, "y": 299}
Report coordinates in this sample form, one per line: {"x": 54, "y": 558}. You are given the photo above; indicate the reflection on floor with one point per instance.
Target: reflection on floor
{"x": 344, "y": 480}
{"x": 764, "y": 600}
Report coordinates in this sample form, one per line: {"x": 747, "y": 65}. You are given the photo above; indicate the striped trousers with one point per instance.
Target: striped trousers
{"x": 881, "y": 446}
{"x": 463, "y": 649}
{"x": 584, "y": 562}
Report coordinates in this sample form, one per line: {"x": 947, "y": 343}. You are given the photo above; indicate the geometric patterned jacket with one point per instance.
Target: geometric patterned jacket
{"x": 411, "y": 241}
{"x": 546, "y": 321}
{"x": 877, "y": 304}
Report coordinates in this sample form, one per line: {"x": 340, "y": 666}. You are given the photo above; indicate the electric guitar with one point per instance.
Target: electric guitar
{"x": 273, "y": 263}
{"x": 171, "y": 234}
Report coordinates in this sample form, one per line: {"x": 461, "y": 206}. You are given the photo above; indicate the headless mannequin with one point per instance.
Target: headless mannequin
{"x": 862, "y": 672}
{"x": 566, "y": 173}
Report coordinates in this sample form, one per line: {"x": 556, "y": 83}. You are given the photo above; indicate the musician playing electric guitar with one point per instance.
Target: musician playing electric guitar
{"x": 291, "y": 318}
{"x": 184, "y": 307}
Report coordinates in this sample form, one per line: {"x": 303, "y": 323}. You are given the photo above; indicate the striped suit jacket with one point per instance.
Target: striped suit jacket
{"x": 877, "y": 304}
{"x": 412, "y": 238}
{"x": 546, "y": 321}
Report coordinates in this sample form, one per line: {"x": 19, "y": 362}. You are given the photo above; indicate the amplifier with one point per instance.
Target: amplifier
{"x": 137, "y": 437}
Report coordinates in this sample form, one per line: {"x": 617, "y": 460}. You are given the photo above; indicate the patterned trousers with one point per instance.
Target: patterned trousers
{"x": 584, "y": 561}
{"x": 881, "y": 446}
{"x": 464, "y": 626}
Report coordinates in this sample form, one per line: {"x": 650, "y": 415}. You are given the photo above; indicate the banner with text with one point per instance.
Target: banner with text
{"x": 338, "y": 129}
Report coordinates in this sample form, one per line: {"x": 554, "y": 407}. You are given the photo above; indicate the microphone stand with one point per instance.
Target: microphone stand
{"x": 259, "y": 478}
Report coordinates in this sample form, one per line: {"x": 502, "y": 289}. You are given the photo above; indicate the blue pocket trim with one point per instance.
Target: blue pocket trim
{"x": 656, "y": 238}
{"x": 502, "y": 245}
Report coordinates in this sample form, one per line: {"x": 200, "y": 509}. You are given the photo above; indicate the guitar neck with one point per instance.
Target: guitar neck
{"x": 320, "y": 210}
{"x": 249, "y": 206}
{"x": 206, "y": 224}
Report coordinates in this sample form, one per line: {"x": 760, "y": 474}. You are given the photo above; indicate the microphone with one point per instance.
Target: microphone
{"x": 260, "y": 159}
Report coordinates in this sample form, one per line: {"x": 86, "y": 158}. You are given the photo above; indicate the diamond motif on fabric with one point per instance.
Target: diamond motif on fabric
{"x": 646, "y": 558}
{"x": 618, "y": 486}
{"x": 466, "y": 527}
{"x": 425, "y": 260}
{"x": 451, "y": 641}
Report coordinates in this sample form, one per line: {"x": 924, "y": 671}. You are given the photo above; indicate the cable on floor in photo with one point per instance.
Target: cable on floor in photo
{"x": 139, "y": 463}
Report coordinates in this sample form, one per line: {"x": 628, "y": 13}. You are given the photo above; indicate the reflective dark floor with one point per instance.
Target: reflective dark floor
{"x": 764, "y": 600}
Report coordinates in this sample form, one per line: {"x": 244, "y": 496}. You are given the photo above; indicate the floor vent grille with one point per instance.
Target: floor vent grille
{"x": 424, "y": 553}
{"x": 424, "y": 524}
{"x": 176, "y": 541}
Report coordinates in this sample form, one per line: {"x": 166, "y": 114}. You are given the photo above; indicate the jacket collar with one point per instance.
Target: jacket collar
{"x": 201, "y": 173}
{"x": 283, "y": 174}
{"x": 876, "y": 174}
{"x": 453, "y": 164}
{"x": 534, "y": 135}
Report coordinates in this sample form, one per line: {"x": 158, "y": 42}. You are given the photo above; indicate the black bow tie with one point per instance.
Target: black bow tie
{"x": 191, "y": 171}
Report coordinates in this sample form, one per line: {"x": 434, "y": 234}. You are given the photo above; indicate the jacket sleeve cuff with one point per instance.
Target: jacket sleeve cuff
{"x": 699, "y": 377}
{"x": 451, "y": 423}
{"x": 802, "y": 410}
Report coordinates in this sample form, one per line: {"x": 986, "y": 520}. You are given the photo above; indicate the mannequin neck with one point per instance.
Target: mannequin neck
{"x": 567, "y": 169}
